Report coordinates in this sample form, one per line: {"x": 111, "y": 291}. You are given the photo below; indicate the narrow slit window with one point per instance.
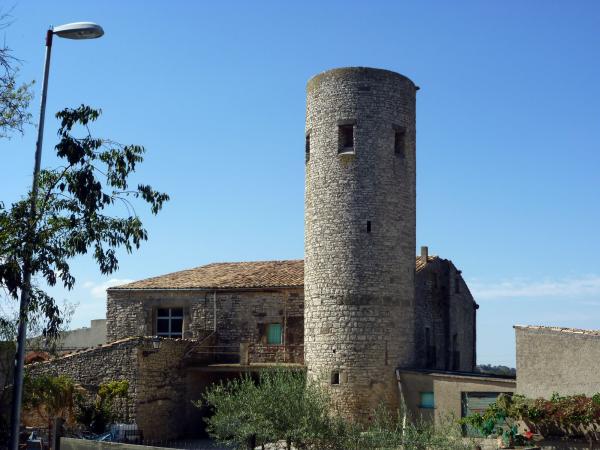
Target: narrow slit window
{"x": 335, "y": 377}
{"x": 399, "y": 142}
{"x": 307, "y": 147}
{"x": 346, "y": 138}
{"x": 368, "y": 226}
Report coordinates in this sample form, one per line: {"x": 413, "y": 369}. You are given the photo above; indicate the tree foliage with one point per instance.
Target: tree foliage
{"x": 14, "y": 96}
{"x": 76, "y": 213}
{"x": 571, "y": 415}
{"x": 96, "y": 414}
{"x": 283, "y": 406}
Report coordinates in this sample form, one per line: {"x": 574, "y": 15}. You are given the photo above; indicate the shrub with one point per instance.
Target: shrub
{"x": 282, "y": 406}
{"x": 96, "y": 414}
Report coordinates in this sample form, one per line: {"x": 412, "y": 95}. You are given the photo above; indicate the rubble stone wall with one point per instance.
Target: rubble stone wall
{"x": 157, "y": 380}
{"x": 447, "y": 314}
{"x": 241, "y": 316}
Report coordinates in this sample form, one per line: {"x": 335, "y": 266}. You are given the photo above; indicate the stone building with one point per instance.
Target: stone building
{"x": 363, "y": 315}
{"x": 553, "y": 359}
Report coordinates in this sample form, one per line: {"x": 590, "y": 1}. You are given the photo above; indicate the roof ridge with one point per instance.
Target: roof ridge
{"x": 560, "y": 329}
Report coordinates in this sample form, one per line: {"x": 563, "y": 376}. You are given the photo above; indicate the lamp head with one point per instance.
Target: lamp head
{"x": 79, "y": 30}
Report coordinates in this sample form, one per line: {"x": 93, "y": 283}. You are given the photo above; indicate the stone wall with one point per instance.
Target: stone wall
{"x": 559, "y": 360}
{"x": 157, "y": 380}
{"x": 360, "y": 235}
{"x": 241, "y": 316}
{"x": 446, "y": 311}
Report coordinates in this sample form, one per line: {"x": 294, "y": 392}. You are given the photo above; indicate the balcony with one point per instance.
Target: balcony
{"x": 244, "y": 354}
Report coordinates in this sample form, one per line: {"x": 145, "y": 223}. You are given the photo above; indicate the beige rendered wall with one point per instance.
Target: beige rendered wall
{"x": 557, "y": 360}
{"x": 85, "y": 337}
{"x": 447, "y": 389}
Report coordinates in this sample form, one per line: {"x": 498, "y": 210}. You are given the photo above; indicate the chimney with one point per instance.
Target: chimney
{"x": 424, "y": 253}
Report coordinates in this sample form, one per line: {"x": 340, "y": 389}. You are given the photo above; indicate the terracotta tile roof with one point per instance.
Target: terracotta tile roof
{"x": 236, "y": 275}
{"x": 259, "y": 274}
{"x": 420, "y": 264}
{"x": 559, "y": 329}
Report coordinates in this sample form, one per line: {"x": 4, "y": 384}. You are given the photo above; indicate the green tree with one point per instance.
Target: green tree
{"x": 76, "y": 214}
{"x": 279, "y": 406}
{"x": 14, "y": 96}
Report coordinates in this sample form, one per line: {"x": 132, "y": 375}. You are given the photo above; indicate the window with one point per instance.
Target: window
{"x": 368, "y": 226}
{"x": 169, "y": 322}
{"x": 307, "y": 147}
{"x": 335, "y": 377}
{"x": 455, "y": 353}
{"x": 346, "y": 138}
{"x": 399, "y": 142}
{"x": 274, "y": 334}
{"x": 430, "y": 357}
{"x": 426, "y": 400}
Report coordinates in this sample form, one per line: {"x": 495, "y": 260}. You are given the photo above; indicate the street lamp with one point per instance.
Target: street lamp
{"x": 77, "y": 30}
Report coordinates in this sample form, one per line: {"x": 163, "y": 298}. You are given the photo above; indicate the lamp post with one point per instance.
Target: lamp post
{"x": 78, "y": 30}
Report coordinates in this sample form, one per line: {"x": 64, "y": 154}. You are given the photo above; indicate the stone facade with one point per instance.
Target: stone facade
{"x": 241, "y": 316}
{"x": 157, "y": 380}
{"x": 360, "y": 234}
{"x": 445, "y": 323}
{"x": 562, "y": 360}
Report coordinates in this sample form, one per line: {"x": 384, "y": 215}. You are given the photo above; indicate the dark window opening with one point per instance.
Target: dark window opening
{"x": 368, "y": 226}
{"x": 169, "y": 322}
{"x": 307, "y": 147}
{"x": 429, "y": 350}
{"x": 399, "y": 143}
{"x": 457, "y": 285}
{"x": 455, "y": 353}
{"x": 335, "y": 377}
{"x": 346, "y": 138}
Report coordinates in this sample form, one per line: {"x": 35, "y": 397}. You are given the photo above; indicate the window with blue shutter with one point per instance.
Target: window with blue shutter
{"x": 274, "y": 334}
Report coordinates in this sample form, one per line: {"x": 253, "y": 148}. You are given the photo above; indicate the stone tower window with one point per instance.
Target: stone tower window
{"x": 368, "y": 226}
{"x": 346, "y": 138}
{"x": 335, "y": 377}
{"x": 307, "y": 147}
{"x": 399, "y": 142}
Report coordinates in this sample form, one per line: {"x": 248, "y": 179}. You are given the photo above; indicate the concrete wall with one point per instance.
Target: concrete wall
{"x": 557, "y": 360}
{"x": 85, "y": 337}
{"x": 447, "y": 311}
{"x": 241, "y": 315}
{"x": 360, "y": 235}
{"x": 447, "y": 389}
{"x": 82, "y": 444}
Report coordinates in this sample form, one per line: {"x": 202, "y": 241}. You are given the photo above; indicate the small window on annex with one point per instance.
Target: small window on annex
{"x": 426, "y": 400}
{"x": 169, "y": 322}
{"x": 274, "y": 334}
{"x": 346, "y": 138}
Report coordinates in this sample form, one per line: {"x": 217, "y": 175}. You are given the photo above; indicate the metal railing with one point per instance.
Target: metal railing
{"x": 247, "y": 354}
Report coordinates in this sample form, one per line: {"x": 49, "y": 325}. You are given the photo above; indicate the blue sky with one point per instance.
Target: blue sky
{"x": 507, "y": 145}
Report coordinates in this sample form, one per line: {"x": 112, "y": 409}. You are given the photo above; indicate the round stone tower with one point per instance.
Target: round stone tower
{"x": 359, "y": 235}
